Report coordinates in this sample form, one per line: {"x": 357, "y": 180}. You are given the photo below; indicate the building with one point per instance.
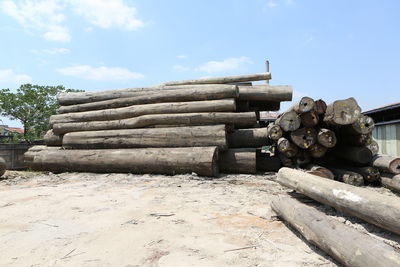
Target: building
{"x": 6, "y": 132}
{"x": 387, "y": 128}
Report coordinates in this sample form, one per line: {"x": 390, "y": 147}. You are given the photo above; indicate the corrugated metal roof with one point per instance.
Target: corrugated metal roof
{"x": 386, "y": 107}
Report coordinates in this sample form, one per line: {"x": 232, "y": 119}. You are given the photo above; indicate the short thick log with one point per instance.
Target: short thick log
{"x": 371, "y": 206}
{"x": 51, "y": 139}
{"x": 387, "y": 163}
{"x": 224, "y": 105}
{"x": 326, "y": 137}
{"x": 274, "y": 131}
{"x": 288, "y": 121}
{"x": 304, "y": 137}
{"x": 286, "y": 147}
{"x": 304, "y": 104}
{"x": 342, "y": 112}
{"x": 200, "y": 160}
{"x": 180, "y": 95}
{"x": 196, "y": 136}
{"x": 2, "y": 166}
{"x": 355, "y": 154}
{"x": 309, "y": 119}
{"x": 243, "y": 138}
{"x": 241, "y": 160}
{"x": 223, "y": 80}
{"x": 342, "y": 242}
{"x": 266, "y": 93}
{"x": 240, "y": 120}
{"x": 363, "y": 125}
{"x": 391, "y": 181}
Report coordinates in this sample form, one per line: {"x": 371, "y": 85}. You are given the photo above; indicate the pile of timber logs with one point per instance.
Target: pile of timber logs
{"x": 202, "y": 126}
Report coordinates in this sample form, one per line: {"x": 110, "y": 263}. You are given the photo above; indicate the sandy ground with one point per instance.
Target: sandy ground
{"x": 87, "y": 219}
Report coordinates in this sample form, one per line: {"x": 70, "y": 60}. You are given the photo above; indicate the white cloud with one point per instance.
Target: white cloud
{"x": 52, "y": 51}
{"x": 107, "y": 13}
{"x": 8, "y": 76}
{"x": 228, "y": 64}
{"x": 180, "y": 68}
{"x": 101, "y": 73}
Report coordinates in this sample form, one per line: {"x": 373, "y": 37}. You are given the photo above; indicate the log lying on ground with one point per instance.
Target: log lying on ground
{"x": 222, "y": 80}
{"x": 355, "y": 154}
{"x": 288, "y": 121}
{"x": 304, "y": 137}
{"x": 344, "y": 243}
{"x": 305, "y": 104}
{"x": 242, "y": 138}
{"x": 51, "y": 139}
{"x": 391, "y": 181}
{"x": 326, "y": 137}
{"x": 33, "y": 151}
{"x": 240, "y": 160}
{"x": 240, "y": 120}
{"x": 180, "y": 95}
{"x": 200, "y": 160}
{"x": 363, "y": 125}
{"x": 276, "y": 93}
{"x": 373, "y": 207}
{"x": 387, "y": 163}
{"x": 224, "y": 105}
{"x": 196, "y": 136}
{"x": 342, "y": 112}
{"x": 2, "y": 166}
{"x": 274, "y": 131}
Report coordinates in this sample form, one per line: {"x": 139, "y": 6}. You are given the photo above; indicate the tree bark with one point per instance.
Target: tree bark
{"x": 274, "y": 131}
{"x": 357, "y": 139}
{"x": 287, "y": 148}
{"x": 309, "y": 119}
{"x": 354, "y": 154}
{"x": 342, "y": 112}
{"x": 246, "y": 119}
{"x": 363, "y": 125}
{"x": 304, "y": 137}
{"x": 305, "y": 104}
{"x": 197, "y": 136}
{"x": 387, "y": 163}
{"x": 371, "y": 206}
{"x": 243, "y": 138}
{"x": 326, "y": 137}
{"x": 238, "y": 161}
{"x": 180, "y": 95}
{"x": 200, "y": 160}
{"x": 343, "y": 243}
{"x": 266, "y": 93}
{"x": 288, "y": 121}
{"x": 391, "y": 181}
{"x": 51, "y": 139}
{"x": 224, "y": 105}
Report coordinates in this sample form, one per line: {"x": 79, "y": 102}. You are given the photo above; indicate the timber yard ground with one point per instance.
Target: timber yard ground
{"x": 83, "y": 219}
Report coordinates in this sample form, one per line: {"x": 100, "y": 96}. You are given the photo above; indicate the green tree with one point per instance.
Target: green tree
{"x": 32, "y": 105}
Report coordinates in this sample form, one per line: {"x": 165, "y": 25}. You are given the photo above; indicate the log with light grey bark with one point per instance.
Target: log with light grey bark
{"x": 222, "y": 80}
{"x": 342, "y": 242}
{"x": 200, "y": 160}
{"x": 304, "y": 104}
{"x": 373, "y": 207}
{"x": 52, "y": 139}
{"x": 243, "y": 138}
{"x": 2, "y": 166}
{"x": 304, "y": 137}
{"x": 342, "y": 112}
{"x": 391, "y": 181}
{"x": 354, "y": 154}
{"x": 180, "y": 95}
{"x": 274, "y": 131}
{"x": 33, "y": 151}
{"x": 240, "y": 120}
{"x": 288, "y": 121}
{"x": 363, "y": 125}
{"x": 387, "y": 163}
{"x": 240, "y": 160}
{"x": 195, "y": 136}
{"x": 275, "y": 93}
{"x": 286, "y": 147}
{"x": 222, "y": 105}
{"x": 326, "y": 137}
{"x": 348, "y": 177}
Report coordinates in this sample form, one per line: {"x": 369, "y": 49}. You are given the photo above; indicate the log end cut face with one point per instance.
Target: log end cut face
{"x": 364, "y": 125}
{"x": 304, "y": 137}
{"x": 274, "y": 132}
{"x": 327, "y": 138}
{"x": 289, "y": 121}
{"x": 342, "y": 112}
{"x": 306, "y": 104}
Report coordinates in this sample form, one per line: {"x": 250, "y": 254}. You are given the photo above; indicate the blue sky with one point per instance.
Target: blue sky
{"x": 325, "y": 49}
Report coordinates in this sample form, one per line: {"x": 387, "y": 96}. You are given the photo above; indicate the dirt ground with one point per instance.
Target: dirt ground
{"x": 83, "y": 219}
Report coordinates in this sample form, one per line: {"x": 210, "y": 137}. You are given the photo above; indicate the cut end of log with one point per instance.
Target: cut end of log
{"x": 289, "y": 121}
{"x": 274, "y": 131}
{"x": 327, "y": 138}
{"x": 342, "y": 112}
{"x": 305, "y": 104}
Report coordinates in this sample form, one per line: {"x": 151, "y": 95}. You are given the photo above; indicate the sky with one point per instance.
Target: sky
{"x": 324, "y": 49}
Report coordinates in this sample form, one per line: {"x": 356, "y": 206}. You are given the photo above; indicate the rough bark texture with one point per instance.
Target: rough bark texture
{"x": 363, "y": 125}
{"x": 243, "y": 138}
{"x": 238, "y": 161}
{"x": 2, "y": 166}
{"x": 342, "y": 112}
{"x": 200, "y": 160}
{"x": 344, "y": 243}
{"x": 288, "y": 121}
{"x": 304, "y": 137}
{"x": 224, "y": 105}
{"x": 287, "y": 148}
{"x": 246, "y": 119}
{"x": 387, "y": 163}
{"x": 355, "y": 154}
{"x": 305, "y": 104}
{"x": 196, "y": 136}
{"x": 274, "y": 131}
{"x": 266, "y": 93}
{"x": 391, "y": 181}
{"x": 371, "y": 206}
{"x": 51, "y": 139}
{"x": 180, "y": 95}
{"x": 326, "y": 137}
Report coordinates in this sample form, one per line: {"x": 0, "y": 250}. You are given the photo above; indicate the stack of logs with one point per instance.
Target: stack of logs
{"x": 199, "y": 126}
{"x": 333, "y": 141}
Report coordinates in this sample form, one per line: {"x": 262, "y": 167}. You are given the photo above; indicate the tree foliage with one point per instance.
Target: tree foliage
{"x": 32, "y": 105}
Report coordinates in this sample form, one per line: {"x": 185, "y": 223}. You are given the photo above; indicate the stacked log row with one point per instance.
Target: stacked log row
{"x": 199, "y": 126}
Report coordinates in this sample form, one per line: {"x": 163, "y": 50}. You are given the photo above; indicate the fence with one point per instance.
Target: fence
{"x": 13, "y": 154}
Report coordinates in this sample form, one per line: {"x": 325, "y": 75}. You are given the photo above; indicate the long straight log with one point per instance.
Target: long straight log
{"x": 196, "y": 136}
{"x": 223, "y": 105}
{"x": 326, "y": 137}
{"x": 180, "y": 95}
{"x": 276, "y": 93}
{"x": 243, "y": 138}
{"x": 355, "y": 154}
{"x": 344, "y": 243}
{"x": 371, "y": 206}
{"x": 342, "y": 112}
{"x": 200, "y": 160}
{"x": 304, "y": 137}
{"x": 3, "y": 166}
{"x": 288, "y": 121}
{"x": 391, "y": 181}
{"x": 238, "y": 161}
{"x": 242, "y": 120}
{"x": 223, "y": 80}
{"x": 387, "y": 163}
{"x": 51, "y": 139}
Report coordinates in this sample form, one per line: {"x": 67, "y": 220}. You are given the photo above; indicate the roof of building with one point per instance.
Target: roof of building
{"x": 386, "y": 114}
{"x": 382, "y": 108}
{"x": 15, "y": 130}
{"x": 269, "y": 115}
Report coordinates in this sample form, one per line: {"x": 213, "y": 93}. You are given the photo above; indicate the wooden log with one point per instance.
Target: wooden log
{"x": 373, "y": 147}
{"x": 348, "y": 177}
{"x": 304, "y": 137}
{"x": 309, "y": 119}
{"x": 3, "y": 167}
{"x": 180, "y": 95}
{"x": 342, "y": 242}
{"x": 246, "y": 138}
{"x": 264, "y": 106}
{"x": 196, "y": 136}
{"x": 369, "y": 174}
{"x": 304, "y": 104}
{"x": 373, "y": 207}
{"x": 241, "y": 160}
{"x": 391, "y": 181}
{"x": 387, "y": 163}
{"x": 326, "y": 137}
{"x": 224, "y": 105}
{"x": 321, "y": 171}
{"x": 342, "y": 112}
{"x": 357, "y": 139}
{"x": 267, "y": 163}
{"x": 320, "y": 106}
{"x": 286, "y": 162}
{"x": 223, "y": 80}
{"x": 242, "y": 120}
{"x": 354, "y": 154}
{"x": 266, "y": 93}
{"x": 288, "y": 121}
{"x": 200, "y": 160}
{"x": 274, "y": 131}
{"x": 303, "y": 158}
{"x": 317, "y": 151}
{"x": 33, "y": 151}
{"x": 363, "y": 125}
{"x": 51, "y": 139}
{"x": 287, "y": 148}
{"x": 242, "y": 106}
